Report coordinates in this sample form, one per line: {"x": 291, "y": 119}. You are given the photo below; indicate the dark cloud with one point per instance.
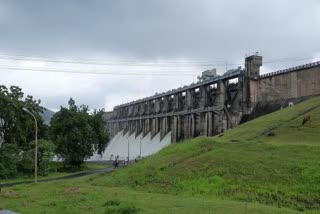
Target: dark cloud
{"x": 202, "y": 29}
{"x": 196, "y": 30}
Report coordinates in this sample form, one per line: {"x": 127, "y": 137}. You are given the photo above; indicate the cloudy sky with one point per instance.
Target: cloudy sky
{"x": 106, "y": 52}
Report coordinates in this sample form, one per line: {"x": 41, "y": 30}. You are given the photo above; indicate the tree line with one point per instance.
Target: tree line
{"x": 73, "y": 135}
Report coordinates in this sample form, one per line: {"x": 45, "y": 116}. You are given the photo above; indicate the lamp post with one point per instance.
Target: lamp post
{"x": 36, "y": 145}
{"x": 128, "y": 150}
{"x": 140, "y": 146}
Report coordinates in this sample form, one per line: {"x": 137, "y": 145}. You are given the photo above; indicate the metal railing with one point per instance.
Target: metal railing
{"x": 293, "y": 69}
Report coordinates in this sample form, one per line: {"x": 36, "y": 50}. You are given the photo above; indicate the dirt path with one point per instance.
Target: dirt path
{"x": 110, "y": 169}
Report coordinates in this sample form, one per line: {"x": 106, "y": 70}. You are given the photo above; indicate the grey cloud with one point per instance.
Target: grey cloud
{"x": 196, "y": 30}
{"x": 202, "y": 29}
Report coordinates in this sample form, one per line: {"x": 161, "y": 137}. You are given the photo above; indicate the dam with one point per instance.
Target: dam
{"x": 208, "y": 107}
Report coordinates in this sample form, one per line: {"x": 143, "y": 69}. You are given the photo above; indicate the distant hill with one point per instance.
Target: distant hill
{"x": 47, "y": 115}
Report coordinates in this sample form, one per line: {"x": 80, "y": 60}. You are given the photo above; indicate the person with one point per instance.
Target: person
{"x": 125, "y": 162}
{"x": 115, "y": 162}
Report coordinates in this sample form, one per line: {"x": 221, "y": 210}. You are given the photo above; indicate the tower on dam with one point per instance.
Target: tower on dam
{"x": 208, "y": 107}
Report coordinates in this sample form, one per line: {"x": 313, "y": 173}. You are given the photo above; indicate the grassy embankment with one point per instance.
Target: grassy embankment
{"x": 273, "y": 161}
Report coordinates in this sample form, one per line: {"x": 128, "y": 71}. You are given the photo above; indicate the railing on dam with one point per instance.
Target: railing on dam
{"x": 293, "y": 69}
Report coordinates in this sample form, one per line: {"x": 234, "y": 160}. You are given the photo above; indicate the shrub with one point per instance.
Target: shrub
{"x": 117, "y": 207}
{"x": 45, "y": 155}
{"x": 9, "y": 158}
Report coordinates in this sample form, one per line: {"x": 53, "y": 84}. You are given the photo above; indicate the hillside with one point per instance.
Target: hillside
{"x": 47, "y": 115}
{"x": 272, "y": 160}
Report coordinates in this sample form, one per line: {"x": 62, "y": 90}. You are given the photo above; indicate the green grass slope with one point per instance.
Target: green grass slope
{"x": 246, "y": 164}
{"x": 286, "y": 124}
{"x": 84, "y": 196}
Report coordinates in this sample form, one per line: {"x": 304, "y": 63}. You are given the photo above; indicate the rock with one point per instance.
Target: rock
{"x": 306, "y": 119}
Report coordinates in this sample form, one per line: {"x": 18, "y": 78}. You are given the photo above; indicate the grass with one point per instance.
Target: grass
{"x": 245, "y": 171}
{"x": 81, "y": 196}
{"x": 286, "y": 124}
{"x": 246, "y": 164}
{"x": 279, "y": 175}
{"x": 57, "y": 171}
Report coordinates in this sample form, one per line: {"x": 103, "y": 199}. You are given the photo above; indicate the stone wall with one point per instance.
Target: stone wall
{"x": 295, "y": 82}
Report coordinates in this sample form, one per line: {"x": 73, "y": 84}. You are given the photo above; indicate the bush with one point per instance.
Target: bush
{"x": 45, "y": 155}
{"x": 117, "y": 207}
{"x": 26, "y": 164}
{"x": 9, "y": 157}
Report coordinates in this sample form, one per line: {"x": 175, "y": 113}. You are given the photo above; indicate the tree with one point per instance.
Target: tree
{"x": 78, "y": 134}
{"x": 101, "y": 134}
{"x": 16, "y": 127}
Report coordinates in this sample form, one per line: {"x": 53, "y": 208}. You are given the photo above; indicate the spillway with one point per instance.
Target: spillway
{"x": 118, "y": 146}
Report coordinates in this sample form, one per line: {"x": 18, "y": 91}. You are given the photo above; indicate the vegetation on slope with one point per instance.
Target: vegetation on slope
{"x": 84, "y": 196}
{"x": 247, "y": 164}
{"x": 286, "y": 124}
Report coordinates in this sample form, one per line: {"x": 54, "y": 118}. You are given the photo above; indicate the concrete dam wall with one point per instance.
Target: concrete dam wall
{"x": 294, "y": 82}
{"x": 212, "y": 105}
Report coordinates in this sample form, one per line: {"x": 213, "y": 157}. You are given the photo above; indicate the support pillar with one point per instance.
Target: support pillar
{"x": 147, "y": 127}
{"x": 139, "y": 127}
{"x": 209, "y": 123}
{"x": 132, "y": 127}
{"x": 164, "y": 129}
{"x": 165, "y": 106}
{"x": 189, "y": 99}
{"x": 204, "y": 97}
{"x": 176, "y": 101}
{"x": 174, "y": 129}
{"x": 125, "y": 127}
{"x": 157, "y": 105}
{"x": 204, "y": 119}
{"x": 191, "y": 126}
{"x": 154, "y": 127}
{"x": 197, "y": 125}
